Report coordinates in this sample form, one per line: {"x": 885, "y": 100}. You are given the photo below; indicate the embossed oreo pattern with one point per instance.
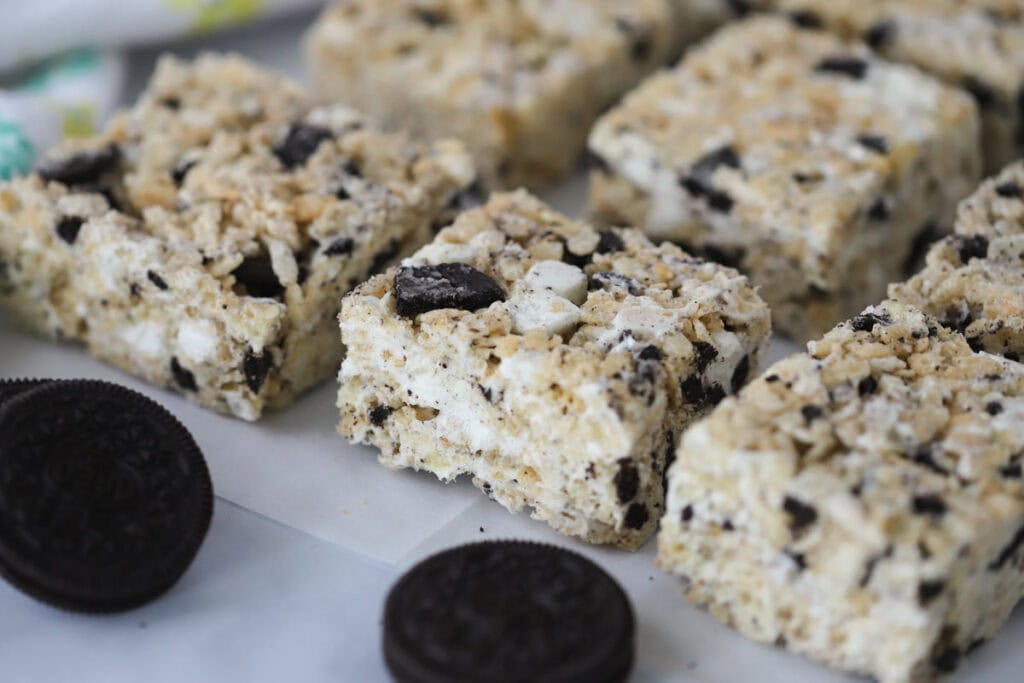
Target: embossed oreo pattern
{"x": 104, "y": 496}
{"x": 508, "y": 610}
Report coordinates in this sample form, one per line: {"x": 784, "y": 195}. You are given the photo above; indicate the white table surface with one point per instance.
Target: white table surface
{"x": 291, "y": 580}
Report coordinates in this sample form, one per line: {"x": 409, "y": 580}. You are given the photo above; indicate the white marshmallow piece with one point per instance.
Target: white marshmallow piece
{"x": 542, "y": 309}
{"x": 561, "y": 278}
{"x": 437, "y": 253}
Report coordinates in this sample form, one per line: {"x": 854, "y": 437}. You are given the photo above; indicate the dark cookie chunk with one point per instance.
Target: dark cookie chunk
{"x": 379, "y": 415}
{"x": 699, "y": 181}
{"x": 299, "y": 143}
{"x": 704, "y": 354}
{"x": 82, "y": 168}
{"x": 104, "y": 496}
{"x": 431, "y": 17}
{"x": 983, "y": 93}
{"x": 181, "y": 170}
{"x": 879, "y": 211}
{"x": 256, "y": 275}
{"x": 806, "y": 19}
{"x": 609, "y": 242}
{"x": 880, "y": 35}
{"x": 650, "y": 352}
{"x": 183, "y": 377}
{"x": 801, "y": 515}
{"x": 157, "y": 281}
{"x": 811, "y": 413}
{"x": 342, "y": 246}
{"x": 610, "y": 280}
{"x": 1007, "y": 553}
{"x": 927, "y": 591}
{"x": 972, "y": 247}
{"x": 508, "y": 611}
{"x": 636, "y": 516}
{"x": 1010, "y": 190}
{"x": 699, "y": 395}
{"x": 419, "y": 289}
{"x": 876, "y": 143}
{"x": 843, "y": 65}
{"x": 928, "y": 504}
{"x": 68, "y": 228}
{"x": 867, "y": 386}
{"x": 867, "y": 321}
{"x": 740, "y": 374}
{"x": 627, "y": 480}
{"x": 255, "y": 367}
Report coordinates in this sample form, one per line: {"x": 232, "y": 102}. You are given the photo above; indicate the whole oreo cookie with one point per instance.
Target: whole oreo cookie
{"x": 508, "y": 611}
{"x": 105, "y": 497}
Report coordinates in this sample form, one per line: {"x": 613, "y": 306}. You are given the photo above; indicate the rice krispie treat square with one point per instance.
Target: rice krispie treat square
{"x": 520, "y": 81}
{"x": 974, "y": 44}
{"x": 973, "y": 281}
{"x": 813, "y": 166}
{"x": 861, "y": 503}
{"x": 552, "y": 363}
{"x": 204, "y": 240}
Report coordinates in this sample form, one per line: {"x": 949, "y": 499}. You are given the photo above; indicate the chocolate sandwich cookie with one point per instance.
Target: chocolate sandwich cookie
{"x": 9, "y": 388}
{"x": 508, "y": 611}
{"x": 105, "y": 497}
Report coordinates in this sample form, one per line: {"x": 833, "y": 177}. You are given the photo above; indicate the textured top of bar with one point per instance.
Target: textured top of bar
{"x": 778, "y": 127}
{"x": 890, "y": 429}
{"x": 979, "y": 43}
{"x": 230, "y": 159}
{"x": 499, "y": 53}
{"x": 594, "y": 303}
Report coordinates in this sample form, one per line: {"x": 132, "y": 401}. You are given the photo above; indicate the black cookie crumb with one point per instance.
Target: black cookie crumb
{"x": 68, "y": 228}
{"x": 183, "y": 377}
{"x": 800, "y": 514}
{"x": 636, "y": 516}
{"x": 627, "y": 480}
{"x": 609, "y": 242}
{"x": 342, "y": 246}
{"x": 83, "y": 167}
{"x": 379, "y": 415}
{"x": 255, "y": 367}
{"x": 843, "y": 65}
{"x": 155, "y": 278}
{"x": 880, "y": 35}
{"x": 299, "y": 143}
{"x": 867, "y": 321}
{"x": 256, "y": 275}
{"x": 876, "y": 143}
{"x": 972, "y": 247}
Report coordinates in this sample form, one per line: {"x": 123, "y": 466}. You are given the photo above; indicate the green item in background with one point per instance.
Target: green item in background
{"x": 16, "y": 151}
{"x": 213, "y": 14}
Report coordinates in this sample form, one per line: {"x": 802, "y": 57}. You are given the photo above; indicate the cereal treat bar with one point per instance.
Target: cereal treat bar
{"x": 861, "y": 503}
{"x": 204, "y": 241}
{"x": 813, "y": 166}
{"x": 552, "y": 363}
{"x": 973, "y": 282}
{"x": 520, "y": 81}
{"x": 975, "y": 44}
